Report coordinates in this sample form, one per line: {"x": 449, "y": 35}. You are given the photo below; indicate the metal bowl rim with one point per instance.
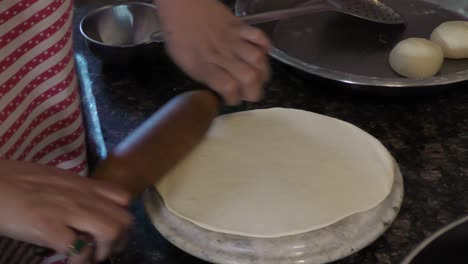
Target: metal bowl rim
{"x": 100, "y": 9}
{"x": 433, "y": 237}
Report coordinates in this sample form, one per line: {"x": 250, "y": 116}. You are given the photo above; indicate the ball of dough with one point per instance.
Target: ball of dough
{"x": 452, "y": 37}
{"x": 416, "y": 58}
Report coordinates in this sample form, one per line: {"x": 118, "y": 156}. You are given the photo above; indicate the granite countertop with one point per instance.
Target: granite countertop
{"x": 427, "y": 135}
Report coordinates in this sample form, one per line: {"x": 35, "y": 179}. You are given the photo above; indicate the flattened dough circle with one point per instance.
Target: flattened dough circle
{"x": 278, "y": 172}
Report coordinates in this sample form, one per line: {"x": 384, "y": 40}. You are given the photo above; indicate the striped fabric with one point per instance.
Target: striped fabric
{"x": 40, "y": 118}
{"x": 15, "y": 252}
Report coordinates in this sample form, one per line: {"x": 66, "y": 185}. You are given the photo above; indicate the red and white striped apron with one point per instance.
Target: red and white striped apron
{"x": 40, "y": 118}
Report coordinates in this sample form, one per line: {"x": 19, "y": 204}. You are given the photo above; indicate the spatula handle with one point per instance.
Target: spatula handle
{"x": 159, "y": 143}
{"x": 286, "y": 13}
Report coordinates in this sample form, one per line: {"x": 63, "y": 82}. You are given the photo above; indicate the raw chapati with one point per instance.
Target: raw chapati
{"x": 278, "y": 172}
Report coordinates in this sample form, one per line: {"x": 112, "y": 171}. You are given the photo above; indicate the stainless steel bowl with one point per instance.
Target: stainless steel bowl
{"x": 120, "y": 33}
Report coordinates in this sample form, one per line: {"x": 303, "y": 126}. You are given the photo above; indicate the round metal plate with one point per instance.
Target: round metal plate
{"x": 350, "y": 50}
{"x": 320, "y": 246}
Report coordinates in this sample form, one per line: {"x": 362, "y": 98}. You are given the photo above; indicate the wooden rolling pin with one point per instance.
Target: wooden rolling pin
{"x": 160, "y": 143}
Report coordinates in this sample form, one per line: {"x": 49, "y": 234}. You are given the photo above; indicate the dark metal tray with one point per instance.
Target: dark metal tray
{"x": 350, "y": 50}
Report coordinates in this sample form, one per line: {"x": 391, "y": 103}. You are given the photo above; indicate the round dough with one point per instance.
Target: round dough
{"x": 278, "y": 172}
{"x": 416, "y": 58}
{"x": 452, "y": 37}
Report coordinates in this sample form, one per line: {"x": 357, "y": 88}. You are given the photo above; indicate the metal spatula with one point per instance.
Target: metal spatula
{"x": 372, "y": 10}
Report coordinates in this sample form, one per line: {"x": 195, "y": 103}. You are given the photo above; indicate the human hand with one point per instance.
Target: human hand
{"x": 48, "y": 207}
{"x": 216, "y": 48}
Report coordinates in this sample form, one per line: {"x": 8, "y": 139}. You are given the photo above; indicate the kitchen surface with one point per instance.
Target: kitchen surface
{"x": 426, "y": 134}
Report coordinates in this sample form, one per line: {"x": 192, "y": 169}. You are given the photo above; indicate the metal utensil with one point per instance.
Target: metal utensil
{"x": 122, "y": 25}
{"x": 448, "y": 245}
{"x": 372, "y": 10}
{"x": 120, "y": 33}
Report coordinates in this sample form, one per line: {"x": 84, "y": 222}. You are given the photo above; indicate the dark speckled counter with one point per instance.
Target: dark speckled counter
{"x": 428, "y": 136}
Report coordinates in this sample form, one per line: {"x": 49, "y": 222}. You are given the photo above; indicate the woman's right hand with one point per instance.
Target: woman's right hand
{"x": 47, "y": 207}
{"x": 216, "y": 48}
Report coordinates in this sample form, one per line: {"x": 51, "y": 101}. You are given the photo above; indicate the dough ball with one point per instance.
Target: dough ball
{"x": 416, "y": 58}
{"x": 452, "y": 37}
